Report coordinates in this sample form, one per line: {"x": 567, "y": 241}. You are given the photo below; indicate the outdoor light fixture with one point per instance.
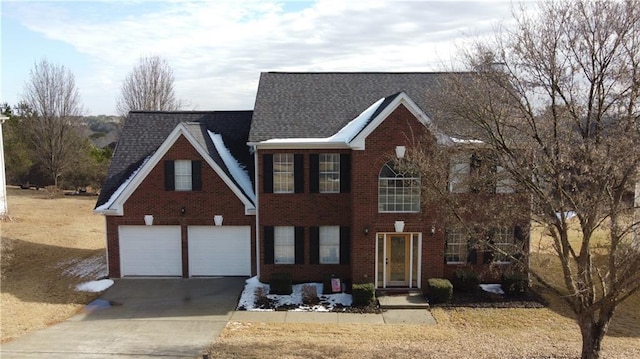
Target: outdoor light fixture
{"x": 366, "y": 230}
{"x": 148, "y": 219}
{"x": 217, "y": 220}
{"x": 400, "y": 150}
{"x": 183, "y": 210}
{"x": 433, "y": 230}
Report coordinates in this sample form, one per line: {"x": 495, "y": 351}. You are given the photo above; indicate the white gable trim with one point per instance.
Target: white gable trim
{"x": 123, "y": 194}
{"x": 358, "y": 142}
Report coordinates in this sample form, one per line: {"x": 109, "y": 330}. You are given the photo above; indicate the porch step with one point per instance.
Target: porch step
{"x": 406, "y": 300}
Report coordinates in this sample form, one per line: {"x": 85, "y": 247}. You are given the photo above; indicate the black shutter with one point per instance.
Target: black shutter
{"x": 268, "y": 245}
{"x": 196, "y": 175}
{"x": 314, "y": 173}
{"x": 169, "y": 176}
{"x": 298, "y": 173}
{"x": 267, "y": 173}
{"x": 314, "y": 245}
{"x": 299, "y": 245}
{"x": 345, "y": 245}
{"x": 518, "y": 233}
{"x": 345, "y": 173}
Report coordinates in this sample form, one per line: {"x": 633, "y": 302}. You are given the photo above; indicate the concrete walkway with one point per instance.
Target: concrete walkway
{"x": 392, "y": 316}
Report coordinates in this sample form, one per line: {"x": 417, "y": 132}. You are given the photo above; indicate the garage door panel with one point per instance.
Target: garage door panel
{"x": 150, "y": 251}
{"x": 219, "y": 250}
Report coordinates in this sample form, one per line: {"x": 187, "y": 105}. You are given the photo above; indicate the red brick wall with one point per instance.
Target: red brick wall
{"x": 400, "y": 128}
{"x": 359, "y": 209}
{"x": 165, "y": 206}
{"x": 303, "y": 210}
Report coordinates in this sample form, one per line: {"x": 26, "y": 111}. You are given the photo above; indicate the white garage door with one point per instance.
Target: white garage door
{"x": 219, "y": 250}
{"x": 150, "y": 251}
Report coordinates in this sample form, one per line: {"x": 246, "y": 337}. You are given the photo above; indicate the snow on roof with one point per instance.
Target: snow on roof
{"x": 238, "y": 171}
{"x": 123, "y": 185}
{"x": 465, "y": 142}
{"x": 345, "y": 135}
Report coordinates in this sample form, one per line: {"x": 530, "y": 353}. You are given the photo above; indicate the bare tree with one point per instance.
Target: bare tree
{"x": 554, "y": 103}
{"x": 54, "y": 102}
{"x": 148, "y": 87}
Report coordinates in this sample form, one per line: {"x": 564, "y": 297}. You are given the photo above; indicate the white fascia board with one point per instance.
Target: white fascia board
{"x": 298, "y": 144}
{"x": 117, "y": 207}
{"x": 358, "y": 143}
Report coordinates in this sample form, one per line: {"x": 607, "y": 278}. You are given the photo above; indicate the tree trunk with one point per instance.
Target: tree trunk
{"x": 592, "y": 334}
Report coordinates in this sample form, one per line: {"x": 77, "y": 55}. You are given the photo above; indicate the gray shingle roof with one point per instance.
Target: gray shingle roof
{"x": 299, "y": 105}
{"x": 144, "y": 132}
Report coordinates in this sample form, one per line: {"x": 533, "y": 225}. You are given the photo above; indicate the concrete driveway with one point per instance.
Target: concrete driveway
{"x": 135, "y": 318}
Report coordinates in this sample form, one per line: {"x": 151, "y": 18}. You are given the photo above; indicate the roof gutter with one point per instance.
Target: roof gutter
{"x": 295, "y": 145}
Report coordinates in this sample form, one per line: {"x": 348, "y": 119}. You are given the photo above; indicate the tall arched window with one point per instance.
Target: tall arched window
{"x": 398, "y": 190}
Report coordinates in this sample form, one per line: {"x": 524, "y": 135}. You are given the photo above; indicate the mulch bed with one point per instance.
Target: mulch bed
{"x": 482, "y": 299}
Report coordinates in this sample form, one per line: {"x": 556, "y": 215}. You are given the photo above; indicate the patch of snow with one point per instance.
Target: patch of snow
{"x": 92, "y": 267}
{"x": 567, "y": 215}
{"x": 492, "y": 288}
{"x": 238, "y": 171}
{"x": 329, "y": 301}
{"x": 124, "y": 185}
{"x": 465, "y": 142}
{"x": 94, "y": 286}
{"x": 345, "y": 135}
{"x": 348, "y": 132}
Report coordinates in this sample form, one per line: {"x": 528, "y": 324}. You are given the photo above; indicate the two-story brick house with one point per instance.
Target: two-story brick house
{"x": 306, "y": 184}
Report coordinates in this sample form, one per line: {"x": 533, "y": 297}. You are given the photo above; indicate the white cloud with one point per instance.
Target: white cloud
{"x": 218, "y": 49}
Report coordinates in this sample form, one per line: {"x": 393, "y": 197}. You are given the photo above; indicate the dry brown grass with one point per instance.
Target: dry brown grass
{"x": 460, "y": 333}
{"x": 45, "y": 238}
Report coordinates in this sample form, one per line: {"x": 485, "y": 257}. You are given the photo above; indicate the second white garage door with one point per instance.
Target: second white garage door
{"x": 150, "y": 251}
{"x": 219, "y": 250}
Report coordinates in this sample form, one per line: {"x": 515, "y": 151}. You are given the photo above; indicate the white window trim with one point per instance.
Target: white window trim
{"x": 284, "y": 245}
{"x": 329, "y": 239}
{"x": 333, "y": 159}
{"x": 504, "y": 181}
{"x": 502, "y": 234}
{"x": 416, "y": 184}
{"x": 285, "y": 183}
{"x": 459, "y": 173}
{"x": 183, "y": 180}
{"x": 459, "y": 235}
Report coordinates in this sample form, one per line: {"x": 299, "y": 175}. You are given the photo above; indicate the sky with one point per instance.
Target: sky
{"x": 217, "y": 49}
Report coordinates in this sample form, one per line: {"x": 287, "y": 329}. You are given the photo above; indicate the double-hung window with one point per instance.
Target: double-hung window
{"x": 504, "y": 181}
{"x": 283, "y": 181}
{"x": 457, "y": 246}
{"x": 182, "y": 175}
{"x": 284, "y": 245}
{"x": 459, "y": 172}
{"x": 330, "y": 245}
{"x": 329, "y": 172}
{"x": 504, "y": 242}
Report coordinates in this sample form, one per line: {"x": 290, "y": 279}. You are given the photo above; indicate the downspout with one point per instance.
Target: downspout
{"x": 106, "y": 246}
{"x": 256, "y": 189}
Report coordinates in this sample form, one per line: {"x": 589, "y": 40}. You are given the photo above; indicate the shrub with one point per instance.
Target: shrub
{"x": 363, "y": 294}
{"x": 440, "y": 290}
{"x": 310, "y": 294}
{"x": 466, "y": 280}
{"x": 280, "y": 284}
{"x": 261, "y": 298}
{"x": 515, "y": 283}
